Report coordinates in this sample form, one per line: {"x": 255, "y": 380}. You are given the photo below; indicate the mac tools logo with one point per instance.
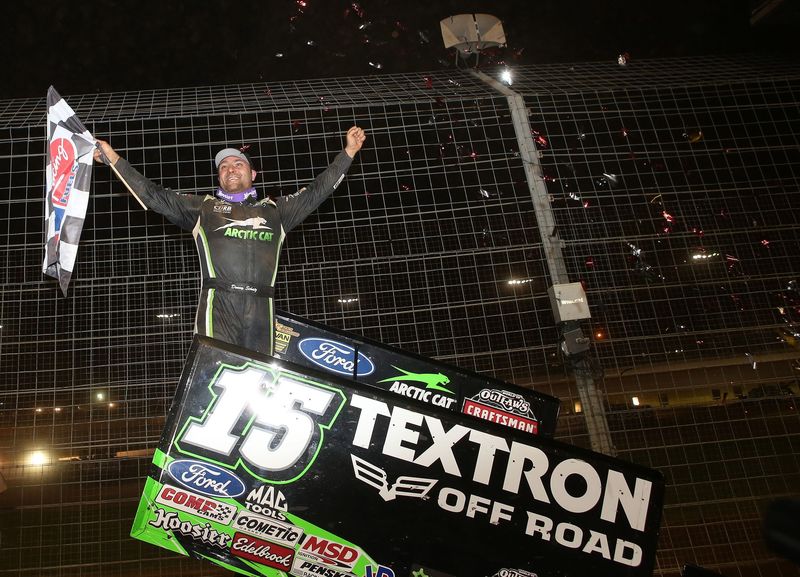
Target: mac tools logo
{"x": 335, "y": 357}
{"x": 206, "y": 478}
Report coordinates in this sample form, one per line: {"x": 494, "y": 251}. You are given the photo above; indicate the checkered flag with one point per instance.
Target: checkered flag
{"x": 68, "y": 176}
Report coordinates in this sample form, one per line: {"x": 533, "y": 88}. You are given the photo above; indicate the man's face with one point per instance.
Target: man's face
{"x": 235, "y": 175}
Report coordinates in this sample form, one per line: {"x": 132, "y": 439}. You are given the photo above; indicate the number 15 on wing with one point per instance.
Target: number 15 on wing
{"x": 271, "y": 422}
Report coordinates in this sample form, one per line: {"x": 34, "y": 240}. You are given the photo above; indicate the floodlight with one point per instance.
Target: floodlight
{"x": 471, "y": 33}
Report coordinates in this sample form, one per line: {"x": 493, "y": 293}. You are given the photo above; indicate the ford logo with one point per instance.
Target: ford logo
{"x": 335, "y": 357}
{"x": 206, "y": 478}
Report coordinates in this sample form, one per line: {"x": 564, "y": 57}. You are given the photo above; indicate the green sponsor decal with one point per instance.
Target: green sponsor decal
{"x": 158, "y": 524}
{"x": 432, "y": 380}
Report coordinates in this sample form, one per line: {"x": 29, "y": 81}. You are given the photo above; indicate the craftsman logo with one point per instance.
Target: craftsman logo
{"x": 335, "y": 357}
{"x": 497, "y": 416}
{"x": 190, "y": 502}
{"x": 306, "y": 568}
{"x": 64, "y": 167}
{"x": 506, "y": 401}
{"x": 270, "y": 422}
{"x": 282, "y": 533}
{"x": 205, "y": 533}
{"x": 328, "y": 552}
{"x": 403, "y": 487}
{"x": 206, "y": 478}
{"x": 263, "y": 552}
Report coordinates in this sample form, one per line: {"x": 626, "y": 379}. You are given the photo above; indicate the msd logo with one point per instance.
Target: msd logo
{"x": 206, "y": 478}
{"x": 329, "y": 552}
{"x": 335, "y": 357}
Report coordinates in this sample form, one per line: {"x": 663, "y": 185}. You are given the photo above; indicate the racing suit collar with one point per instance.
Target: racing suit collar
{"x": 237, "y": 196}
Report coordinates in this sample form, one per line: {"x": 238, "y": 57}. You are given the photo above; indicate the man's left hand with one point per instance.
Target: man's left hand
{"x": 355, "y": 138}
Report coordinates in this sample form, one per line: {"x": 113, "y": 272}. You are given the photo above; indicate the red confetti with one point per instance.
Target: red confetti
{"x": 540, "y": 140}
{"x": 668, "y": 216}
{"x": 428, "y": 82}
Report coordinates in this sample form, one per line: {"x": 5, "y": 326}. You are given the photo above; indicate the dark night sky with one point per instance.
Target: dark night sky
{"x": 119, "y": 45}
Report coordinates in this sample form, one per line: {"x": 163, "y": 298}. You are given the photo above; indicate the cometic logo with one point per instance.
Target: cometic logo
{"x": 259, "y": 526}
{"x": 335, "y": 357}
{"x": 206, "y": 478}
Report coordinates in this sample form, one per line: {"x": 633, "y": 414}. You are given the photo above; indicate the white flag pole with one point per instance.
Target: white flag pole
{"x": 125, "y": 182}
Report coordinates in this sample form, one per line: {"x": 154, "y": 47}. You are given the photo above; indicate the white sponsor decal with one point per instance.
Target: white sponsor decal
{"x": 403, "y": 487}
{"x": 423, "y": 440}
{"x": 205, "y": 533}
{"x": 256, "y": 223}
{"x": 303, "y": 567}
{"x": 253, "y": 524}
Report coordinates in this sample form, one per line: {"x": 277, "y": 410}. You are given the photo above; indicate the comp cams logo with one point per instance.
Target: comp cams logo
{"x": 190, "y": 502}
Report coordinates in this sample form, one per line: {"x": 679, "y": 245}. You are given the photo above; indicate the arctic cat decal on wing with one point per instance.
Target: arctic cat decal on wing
{"x": 431, "y": 380}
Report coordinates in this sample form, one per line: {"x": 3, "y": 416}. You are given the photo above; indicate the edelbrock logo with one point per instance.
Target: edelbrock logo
{"x": 335, "y": 357}
{"x": 206, "y": 478}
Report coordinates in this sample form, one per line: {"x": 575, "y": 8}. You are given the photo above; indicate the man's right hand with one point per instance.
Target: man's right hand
{"x": 109, "y": 152}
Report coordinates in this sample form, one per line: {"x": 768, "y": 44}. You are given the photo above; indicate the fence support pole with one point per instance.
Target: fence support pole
{"x": 592, "y": 404}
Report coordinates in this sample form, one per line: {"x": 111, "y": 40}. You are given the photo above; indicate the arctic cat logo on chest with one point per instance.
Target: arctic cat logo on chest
{"x": 255, "y": 228}
{"x": 249, "y": 234}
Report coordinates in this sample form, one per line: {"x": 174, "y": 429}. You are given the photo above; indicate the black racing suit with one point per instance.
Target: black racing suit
{"x": 238, "y": 245}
